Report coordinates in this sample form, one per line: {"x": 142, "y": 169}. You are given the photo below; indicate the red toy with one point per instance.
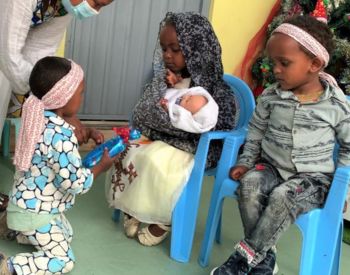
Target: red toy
{"x": 127, "y": 133}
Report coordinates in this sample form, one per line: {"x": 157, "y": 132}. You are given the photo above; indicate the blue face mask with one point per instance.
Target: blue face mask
{"x": 81, "y": 11}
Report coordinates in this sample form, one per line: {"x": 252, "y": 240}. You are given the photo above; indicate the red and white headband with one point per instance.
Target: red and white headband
{"x": 33, "y": 119}
{"x": 304, "y": 39}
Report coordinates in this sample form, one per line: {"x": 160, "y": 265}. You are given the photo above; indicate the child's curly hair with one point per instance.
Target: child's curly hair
{"x": 319, "y": 30}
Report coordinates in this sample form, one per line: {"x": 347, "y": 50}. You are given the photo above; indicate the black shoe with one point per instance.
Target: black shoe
{"x": 266, "y": 266}
{"x": 236, "y": 264}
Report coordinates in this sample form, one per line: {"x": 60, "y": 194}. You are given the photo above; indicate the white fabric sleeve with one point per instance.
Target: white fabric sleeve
{"x": 22, "y": 46}
{"x": 15, "y": 23}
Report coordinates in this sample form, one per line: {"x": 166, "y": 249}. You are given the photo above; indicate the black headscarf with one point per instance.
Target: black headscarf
{"x": 202, "y": 53}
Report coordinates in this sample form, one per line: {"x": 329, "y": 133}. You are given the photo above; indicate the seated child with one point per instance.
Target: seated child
{"x": 49, "y": 172}
{"x": 287, "y": 164}
{"x": 190, "y": 109}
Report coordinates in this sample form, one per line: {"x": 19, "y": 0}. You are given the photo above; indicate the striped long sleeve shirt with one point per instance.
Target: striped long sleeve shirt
{"x": 299, "y": 137}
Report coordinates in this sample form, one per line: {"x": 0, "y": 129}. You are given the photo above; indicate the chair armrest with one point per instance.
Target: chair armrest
{"x": 338, "y": 191}
{"x": 200, "y": 158}
{"x": 216, "y": 134}
{"x": 228, "y": 158}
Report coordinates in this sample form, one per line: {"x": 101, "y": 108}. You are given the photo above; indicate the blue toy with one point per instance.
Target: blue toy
{"x": 114, "y": 145}
{"x": 134, "y": 134}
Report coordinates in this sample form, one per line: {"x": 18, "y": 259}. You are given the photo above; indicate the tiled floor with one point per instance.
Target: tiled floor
{"x": 101, "y": 247}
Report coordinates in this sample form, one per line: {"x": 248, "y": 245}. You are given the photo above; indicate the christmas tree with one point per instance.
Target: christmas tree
{"x": 337, "y": 15}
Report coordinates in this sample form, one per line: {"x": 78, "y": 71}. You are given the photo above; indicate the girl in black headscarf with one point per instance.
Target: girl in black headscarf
{"x": 149, "y": 179}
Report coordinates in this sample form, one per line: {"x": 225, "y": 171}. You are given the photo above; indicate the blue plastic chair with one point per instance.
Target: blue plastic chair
{"x": 6, "y": 134}
{"x": 185, "y": 213}
{"x": 321, "y": 228}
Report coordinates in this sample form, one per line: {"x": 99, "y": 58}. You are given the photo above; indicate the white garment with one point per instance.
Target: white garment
{"x": 148, "y": 180}
{"x": 202, "y": 121}
{"x": 22, "y": 46}
{"x": 5, "y": 92}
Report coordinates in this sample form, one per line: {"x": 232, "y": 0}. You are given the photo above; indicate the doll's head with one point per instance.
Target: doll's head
{"x": 193, "y": 103}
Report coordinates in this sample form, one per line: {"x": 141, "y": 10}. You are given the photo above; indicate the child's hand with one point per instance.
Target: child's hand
{"x": 96, "y": 135}
{"x": 105, "y": 163}
{"x": 237, "y": 172}
{"x": 171, "y": 78}
{"x": 164, "y": 103}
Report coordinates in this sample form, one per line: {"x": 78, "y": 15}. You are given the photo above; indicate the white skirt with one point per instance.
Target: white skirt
{"x": 148, "y": 179}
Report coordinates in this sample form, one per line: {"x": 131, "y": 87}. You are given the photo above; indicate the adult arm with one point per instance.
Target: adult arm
{"x": 15, "y": 20}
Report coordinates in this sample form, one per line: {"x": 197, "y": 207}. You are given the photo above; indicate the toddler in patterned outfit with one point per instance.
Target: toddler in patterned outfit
{"x": 49, "y": 171}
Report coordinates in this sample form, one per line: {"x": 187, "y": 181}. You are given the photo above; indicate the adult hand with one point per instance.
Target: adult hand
{"x": 237, "y": 172}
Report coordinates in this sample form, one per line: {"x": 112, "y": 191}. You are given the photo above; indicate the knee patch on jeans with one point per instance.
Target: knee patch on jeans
{"x": 249, "y": 186}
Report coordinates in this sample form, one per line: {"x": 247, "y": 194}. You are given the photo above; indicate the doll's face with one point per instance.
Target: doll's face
{"x": 193, "y": 103}
{"x": 173, "y": 58}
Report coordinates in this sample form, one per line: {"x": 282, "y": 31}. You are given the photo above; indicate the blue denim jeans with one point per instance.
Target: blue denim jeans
{"x": 269, "y": 205}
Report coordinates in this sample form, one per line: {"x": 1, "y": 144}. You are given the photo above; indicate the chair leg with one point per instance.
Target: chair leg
{"x": 183, "y": 228}
{"x": 211, "y": 229}
{"x": 213, "y": 224}
{"x": 308, "y": 253}
{"x": 321, "y": 246}
{"x": 116, "y": 215}
{"x": 184, "y": 216}
{"x": 5, "y": 140}
{"x": 337, "y": 256}
{"x": 17, "y": 123}
{"x": 218, "y": 230}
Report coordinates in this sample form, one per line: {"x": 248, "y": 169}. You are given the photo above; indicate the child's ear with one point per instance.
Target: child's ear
{"x": 317, "y": 64}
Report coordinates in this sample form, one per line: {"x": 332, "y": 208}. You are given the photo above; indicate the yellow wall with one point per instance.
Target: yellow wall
{"x": 235, "y": 23}
{"x": 60, "y": 51}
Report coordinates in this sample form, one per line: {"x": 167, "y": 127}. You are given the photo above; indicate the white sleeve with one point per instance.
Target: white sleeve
{"x": 15, "y": 20}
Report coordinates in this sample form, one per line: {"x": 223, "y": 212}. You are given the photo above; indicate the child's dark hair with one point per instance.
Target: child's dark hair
{"x": 46, "y": 73}
{"x": 319, "y": 30}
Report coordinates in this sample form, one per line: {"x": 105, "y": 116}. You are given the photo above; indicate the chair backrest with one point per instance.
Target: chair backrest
{"x": 245, "y": 99}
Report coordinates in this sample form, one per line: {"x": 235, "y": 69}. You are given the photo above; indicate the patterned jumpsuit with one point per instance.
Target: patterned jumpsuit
{"x": 49, "y": 187}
